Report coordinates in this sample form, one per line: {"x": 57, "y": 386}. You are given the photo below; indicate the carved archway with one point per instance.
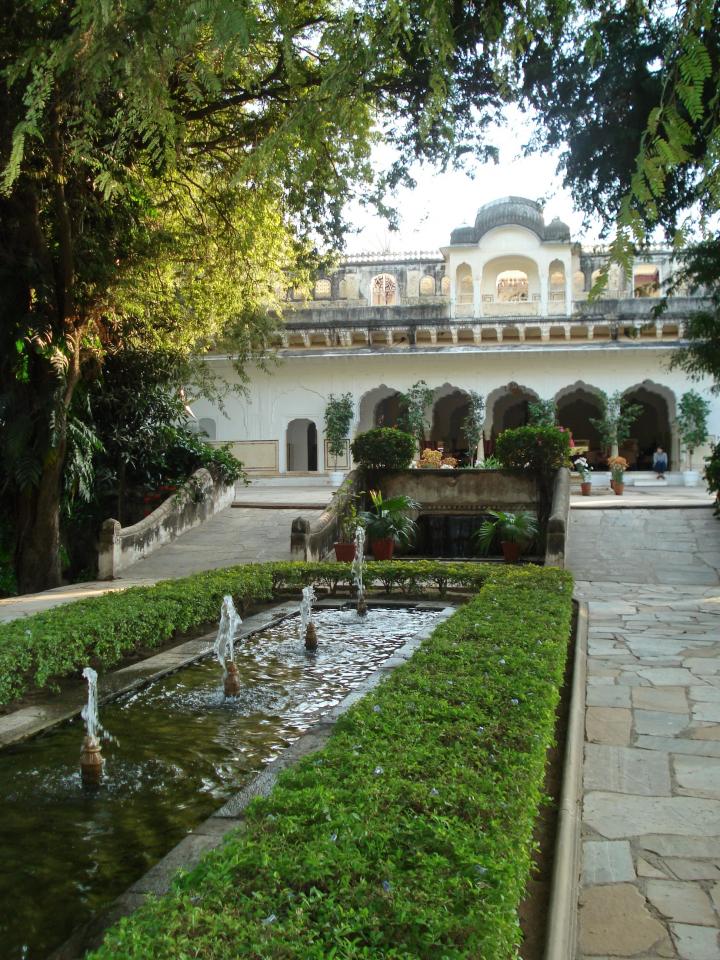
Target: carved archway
{"x": 656, "y": 425}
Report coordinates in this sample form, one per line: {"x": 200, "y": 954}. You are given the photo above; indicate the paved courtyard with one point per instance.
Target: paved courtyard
{"x": 651, "y": 806}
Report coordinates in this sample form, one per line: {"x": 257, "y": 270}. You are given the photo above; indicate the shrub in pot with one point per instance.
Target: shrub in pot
{"x": 387, "y": 522}
{"x": 383, "y": 448}
{"x": 514, "y": 531}
{"x": 349, "y": 522}
{"x": 692, "y": 424}
{"x": 618, "y": 466}
{"x": 584, "y": 469}
{"x": 338, "y": 417}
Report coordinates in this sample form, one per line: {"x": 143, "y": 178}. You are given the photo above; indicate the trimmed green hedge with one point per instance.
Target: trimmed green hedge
{"x": 36, "y": 651}
{"x": 410, "y": 834}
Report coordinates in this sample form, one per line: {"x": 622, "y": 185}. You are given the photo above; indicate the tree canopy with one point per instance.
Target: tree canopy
{"x": 168, "y": 166}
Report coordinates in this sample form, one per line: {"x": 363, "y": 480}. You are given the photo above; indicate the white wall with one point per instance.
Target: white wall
{"x": 298, "y": 386}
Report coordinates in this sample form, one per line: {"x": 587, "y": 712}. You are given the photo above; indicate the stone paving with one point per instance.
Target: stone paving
{"x": 651, "y": 806}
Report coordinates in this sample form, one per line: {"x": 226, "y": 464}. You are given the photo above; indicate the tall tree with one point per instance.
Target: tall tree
{"x": 171, "y": 162}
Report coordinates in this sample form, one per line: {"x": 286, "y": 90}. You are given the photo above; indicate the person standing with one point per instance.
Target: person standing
{"x": 660, "y": 463}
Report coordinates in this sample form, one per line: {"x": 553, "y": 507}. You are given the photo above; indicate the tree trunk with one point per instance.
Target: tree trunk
{"x": 37, "y": 553}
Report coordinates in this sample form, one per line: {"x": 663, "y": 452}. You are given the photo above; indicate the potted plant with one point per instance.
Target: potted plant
{"x": 584, "y": 469}
{"x": 515, "y": 531}
{"x": 430, "y": 459}
{"x": 338, "y": 417}
{"x": 692, "y": 424}
{"x": 389, "y": 521}
{"x": 618, "y": 466}
{"x": 345, "y": 545}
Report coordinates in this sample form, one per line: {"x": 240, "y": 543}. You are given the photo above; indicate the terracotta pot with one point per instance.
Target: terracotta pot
{"x": 511, "y": 551}
{"x": 612, "y": 484}
{"x": 382, "y": 549}
{"x": 345, "y": 552}
{"x": 585, "y": 488}
{"x": 618, "y": 488}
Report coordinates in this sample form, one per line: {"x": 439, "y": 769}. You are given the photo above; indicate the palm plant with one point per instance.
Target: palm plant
{"x": 519, "y": 528}
{"x": 388, "y": 519}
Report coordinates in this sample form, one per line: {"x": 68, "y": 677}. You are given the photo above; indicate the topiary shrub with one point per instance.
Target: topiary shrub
{"x": 384, "y": 448}
{"x": 540, "y": 451}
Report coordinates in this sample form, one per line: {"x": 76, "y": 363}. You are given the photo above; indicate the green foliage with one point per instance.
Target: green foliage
{"x": 388, "y": 519}
{"x": 36, "y": 651}
{"x": 518, "y": 527}
{"x": 489, "y": 463}
{"x": 618, "y": 416}
{"x": 169, "y": 168}
{"x": 542, "y": 413}
{"x": 414, "y": 405}
{"x": 338, "y": 417}
{"x": 383, "y": 448}
{"x": 712, "y": 475}
{"x": 700, "y": 275}
{"x": 693, "y": 414}
{"x": 411, "y": 833}
{"x": 471, "y": 427}
{"x": 539, "y": 450}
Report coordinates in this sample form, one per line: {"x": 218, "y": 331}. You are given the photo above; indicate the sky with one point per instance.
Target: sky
{"x": 443, "y": 201}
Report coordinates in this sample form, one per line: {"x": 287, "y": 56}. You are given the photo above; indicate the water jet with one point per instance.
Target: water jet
{"x": 224, "y": 646}
{"x": 91, "y": 759}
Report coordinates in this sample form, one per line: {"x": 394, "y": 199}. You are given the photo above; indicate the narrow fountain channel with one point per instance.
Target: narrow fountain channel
{"x": 179, "y": 749}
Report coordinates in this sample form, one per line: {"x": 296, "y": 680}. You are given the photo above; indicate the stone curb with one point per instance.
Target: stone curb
{"x": 211, "y": 833}
{"x": 562, "y": 915}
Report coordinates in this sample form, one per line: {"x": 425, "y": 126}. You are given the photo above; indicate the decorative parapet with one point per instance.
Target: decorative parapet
{"x": 313, "y": 541}
{"x": 196, "y": 501}
{"x": 558, "y": 523}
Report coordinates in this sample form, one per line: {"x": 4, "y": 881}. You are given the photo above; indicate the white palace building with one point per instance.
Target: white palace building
{"x": 502, "y": 310}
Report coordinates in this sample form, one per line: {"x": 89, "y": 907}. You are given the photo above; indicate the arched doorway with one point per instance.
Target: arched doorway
{"x": 449, "y": 412}
{"x": 379, "y": 407}
{"x": 302, "y": 453}
{"x": 506, "y": 407}
{"x": 577, "y": 405}
{"x": 387, "y": 411}
{"x": 652, "y": 428}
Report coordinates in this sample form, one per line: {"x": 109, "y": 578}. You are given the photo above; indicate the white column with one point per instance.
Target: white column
{"x": 544, "y": 294}
{"x": 477, "y": 298}
{"x": 568, "y": 288}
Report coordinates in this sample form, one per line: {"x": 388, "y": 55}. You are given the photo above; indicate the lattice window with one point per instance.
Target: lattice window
{"x": 427, "y": 287}
{"x": 323, "y": 290}
{"x": 384, "y": 290}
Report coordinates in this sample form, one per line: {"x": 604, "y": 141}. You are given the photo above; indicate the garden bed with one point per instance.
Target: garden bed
{"x": 411, "y": 833}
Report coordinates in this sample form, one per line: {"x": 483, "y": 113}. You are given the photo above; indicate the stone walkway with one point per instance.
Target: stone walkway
{"x": 651, "y": 806}
{"x": 235, "y": 535}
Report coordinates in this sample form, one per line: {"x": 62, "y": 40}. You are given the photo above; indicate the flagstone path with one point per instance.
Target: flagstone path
{"x": 651, "y": 807}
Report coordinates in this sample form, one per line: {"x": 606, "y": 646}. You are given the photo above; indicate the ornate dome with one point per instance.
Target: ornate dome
{"x": 511, "y": 211}
{"x": 557, "y": 230}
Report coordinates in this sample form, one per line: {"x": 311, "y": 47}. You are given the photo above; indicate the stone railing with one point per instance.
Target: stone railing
{"x": 195, "y": 502}
{"x": 314, "y": 540}
{"x": 557, "y": 529}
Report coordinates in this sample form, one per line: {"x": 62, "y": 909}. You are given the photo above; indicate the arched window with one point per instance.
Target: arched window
{"x": 384, "y": 290}
{"x": 342, "y": 289}
{"x": 511, "y": 286}
{"x": 464, "y": 284}
{"x": 323, "y": 290}
{"x": 207, "y": 428}
{"x": 427, "y": 287}
{"x": 646, "y": 280}
{"x": 578, "y": 281}
{"x": 445, "y": 286}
